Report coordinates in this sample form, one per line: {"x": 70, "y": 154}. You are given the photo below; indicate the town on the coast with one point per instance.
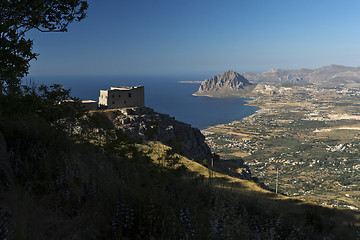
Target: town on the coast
{"x": 304, "y": 141}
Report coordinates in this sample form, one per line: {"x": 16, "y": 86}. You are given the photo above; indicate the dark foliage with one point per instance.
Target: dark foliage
{"x": 19, "y": 16}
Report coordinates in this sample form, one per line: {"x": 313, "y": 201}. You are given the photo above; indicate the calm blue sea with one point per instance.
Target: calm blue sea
{"x": 164, "y": 95}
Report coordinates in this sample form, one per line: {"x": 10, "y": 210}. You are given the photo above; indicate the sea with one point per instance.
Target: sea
{"x": 164, "y": 94}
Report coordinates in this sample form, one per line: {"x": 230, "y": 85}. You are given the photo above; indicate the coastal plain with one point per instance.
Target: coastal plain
{"x": 305, "y": 140}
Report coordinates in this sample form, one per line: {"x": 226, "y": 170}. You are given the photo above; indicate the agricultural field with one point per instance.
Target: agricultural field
{"x": 307, "y": 141}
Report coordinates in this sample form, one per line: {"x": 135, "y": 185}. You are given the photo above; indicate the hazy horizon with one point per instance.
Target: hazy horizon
{"x": 201, "y": 37}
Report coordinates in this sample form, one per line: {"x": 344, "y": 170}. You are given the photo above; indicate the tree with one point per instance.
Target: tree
{"x": 18, "y": 17}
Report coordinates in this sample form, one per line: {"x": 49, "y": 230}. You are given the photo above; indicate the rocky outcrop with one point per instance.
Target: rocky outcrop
{"x": 146, "y": 124}
{"x": 265, "y": 89}
{"x": 332, "y": 74}
{"x": 227, "y": 84}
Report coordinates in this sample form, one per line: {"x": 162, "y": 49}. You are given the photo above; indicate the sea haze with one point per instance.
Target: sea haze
{"x": 164, "y": 95}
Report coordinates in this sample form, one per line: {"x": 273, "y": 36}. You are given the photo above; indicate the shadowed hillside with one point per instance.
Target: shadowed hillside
{"x": 59, "y": 183}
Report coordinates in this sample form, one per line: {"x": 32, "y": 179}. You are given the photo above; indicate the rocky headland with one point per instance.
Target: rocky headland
{"x": 227, "y": 84}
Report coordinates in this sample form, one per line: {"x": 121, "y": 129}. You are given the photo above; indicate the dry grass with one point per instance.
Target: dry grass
{"x": 268, "y": 201}
{"x": 239, "y": 154}
{"x": 198, "y": 169}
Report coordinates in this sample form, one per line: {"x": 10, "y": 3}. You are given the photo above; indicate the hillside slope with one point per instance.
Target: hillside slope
{"x": 101, "y": 184}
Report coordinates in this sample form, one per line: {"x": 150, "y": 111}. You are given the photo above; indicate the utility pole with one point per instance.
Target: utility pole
{"x": 277, "y": 180}
{"x": 212, "y": 167}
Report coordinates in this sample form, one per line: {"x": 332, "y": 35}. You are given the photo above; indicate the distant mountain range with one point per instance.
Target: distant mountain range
{"x": 232, "y": 84}
{"x": 329, "y": 75}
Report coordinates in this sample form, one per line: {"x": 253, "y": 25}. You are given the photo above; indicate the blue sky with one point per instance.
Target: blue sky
{"x": 184, "y": 37}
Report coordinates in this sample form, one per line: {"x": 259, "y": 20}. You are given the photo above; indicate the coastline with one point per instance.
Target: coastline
{"x": 261, "y": 108}
{"x": 292, "y": 133}
{"x": 248, "y": 103}
{"x": 190, "y": 81}
{"x": 212, "y": 96}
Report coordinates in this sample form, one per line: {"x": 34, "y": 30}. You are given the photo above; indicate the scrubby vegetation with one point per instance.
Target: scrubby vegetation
{"x": 58, "y": 182}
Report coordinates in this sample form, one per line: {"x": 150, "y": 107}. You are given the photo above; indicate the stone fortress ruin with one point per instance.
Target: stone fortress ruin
{"x": 120, "y": 97}
{"x": 116, "y": 97}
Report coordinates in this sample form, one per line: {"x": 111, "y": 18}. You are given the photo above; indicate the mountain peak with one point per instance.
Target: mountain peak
{"x": 230, "y": 73}
{"x": 227, "y": 83}
{"x": 229, "y": 76}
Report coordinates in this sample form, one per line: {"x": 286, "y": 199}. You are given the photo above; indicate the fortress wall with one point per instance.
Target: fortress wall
{"x": 125, "y": 97}
{"x": 139, "y": 96}
{"x": 103, "y": 98}
{"x": 89, "y": 105}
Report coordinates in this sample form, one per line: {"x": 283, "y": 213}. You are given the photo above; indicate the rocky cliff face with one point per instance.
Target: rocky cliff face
{"x": 146, "y": 124}
{"x": 227, "y": 84}
{"x": 332, "y": 74}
